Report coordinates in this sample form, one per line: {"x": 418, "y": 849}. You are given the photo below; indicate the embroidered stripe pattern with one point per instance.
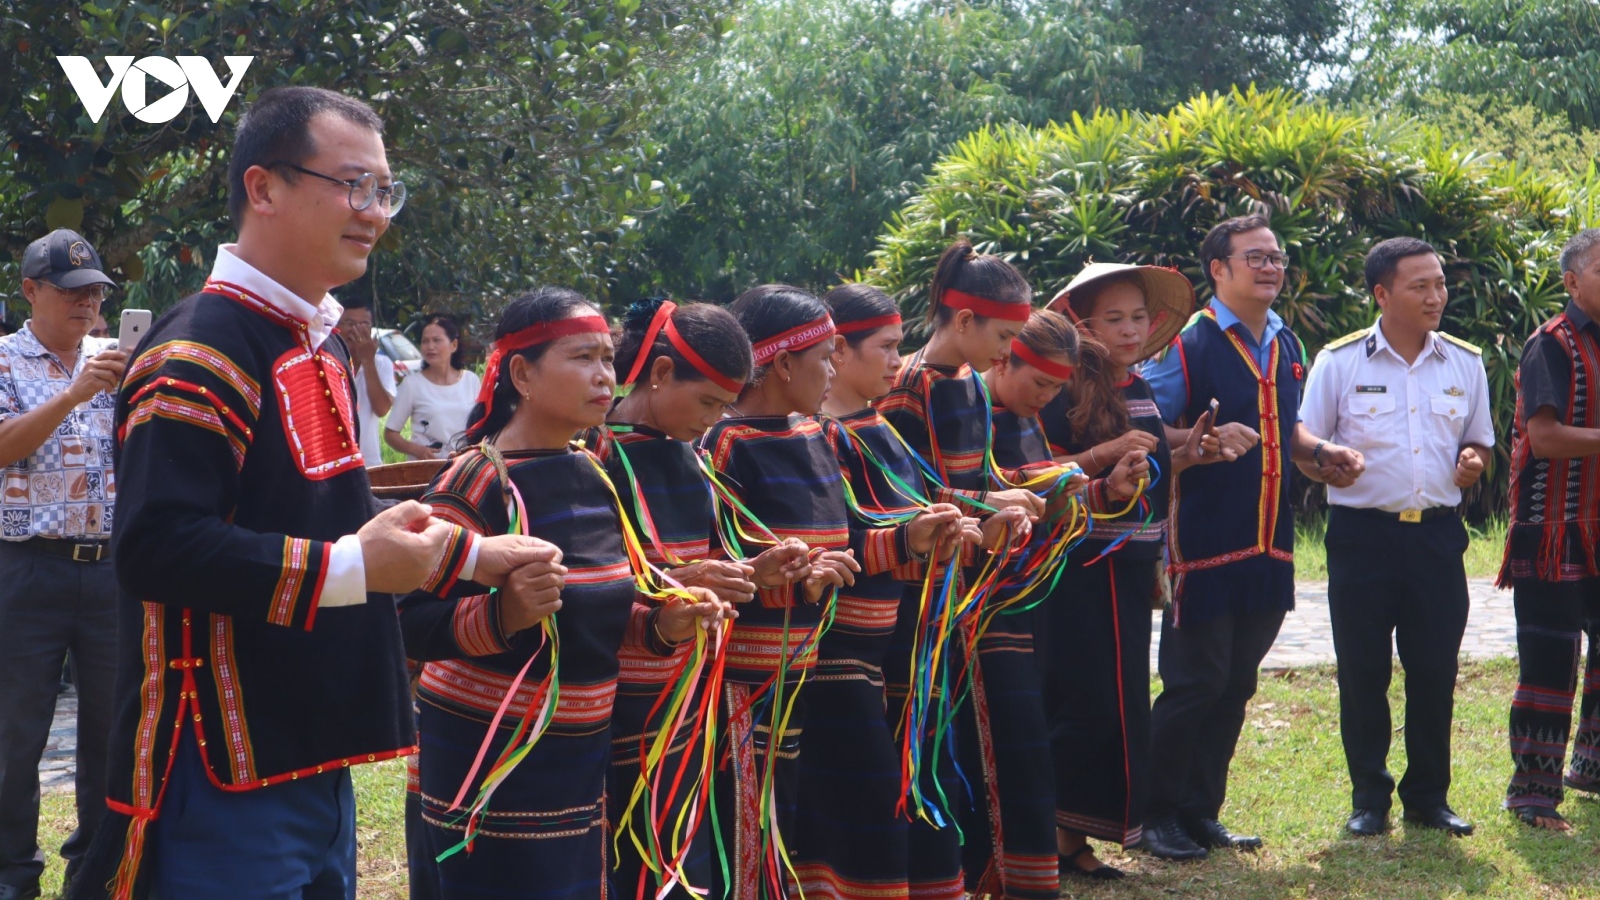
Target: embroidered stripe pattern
{"x": 154, "y": 694}
{"x": 475, "y": 625}
{"x": 290, "y": 591}
{"x": 820, "y": 882}
{"x": 458, "y": 549}
{"x": 231, "y": 701}
{"x": 469, "y": 688}
{"x": 524, "y": 825}
{"x": 861, "y": 615}
{"x": 205, "y": 357}
{"x": 761, "y": 648}
{"x": 177, "y": 409}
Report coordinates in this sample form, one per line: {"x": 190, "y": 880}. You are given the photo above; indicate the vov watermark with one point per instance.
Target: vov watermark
{"x": 133, "y": 76}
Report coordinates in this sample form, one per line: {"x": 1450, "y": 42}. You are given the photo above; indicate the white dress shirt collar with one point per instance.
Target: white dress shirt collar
{"x": 320, "y": 319}
{"x": 1435, "y": 345}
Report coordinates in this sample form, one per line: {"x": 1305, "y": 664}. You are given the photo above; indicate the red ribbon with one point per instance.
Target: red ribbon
{"x": 661, "y": 323}
{"x": 993, "y": 309}
{"x": 532, "y": 336}
{"x": 871, "y": 324}
{"x": 1053, "y": 369}
{"x": 794, "y": 339}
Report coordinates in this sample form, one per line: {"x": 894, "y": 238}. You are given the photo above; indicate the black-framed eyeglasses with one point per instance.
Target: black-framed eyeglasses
{"x": 363, "y": 190}
{"x": 1257, "y": 259}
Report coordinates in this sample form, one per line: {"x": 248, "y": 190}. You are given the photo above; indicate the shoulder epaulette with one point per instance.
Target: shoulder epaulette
{"x": 1347, "y": 340}
{"x": 1474, "y": 348}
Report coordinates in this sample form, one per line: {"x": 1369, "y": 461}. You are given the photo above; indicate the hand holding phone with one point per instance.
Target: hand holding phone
{"x": 135, "y": 322}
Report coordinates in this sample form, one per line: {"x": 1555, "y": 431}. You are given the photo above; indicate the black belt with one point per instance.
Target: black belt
{"x": 1407, "y": 515}
{"x": 77, "y": 551}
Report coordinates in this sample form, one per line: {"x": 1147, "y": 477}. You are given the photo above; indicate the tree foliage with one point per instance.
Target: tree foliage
{"x": 516, "y": 125}
{"x": 1544, "y": 52}
{"x": 1143, "y": 188}
{"x": 815, "y": 119}
{"x": 1204, "y": 46}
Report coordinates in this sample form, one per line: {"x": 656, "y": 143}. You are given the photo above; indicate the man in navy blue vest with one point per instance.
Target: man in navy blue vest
{"x": 1232, "y": 538}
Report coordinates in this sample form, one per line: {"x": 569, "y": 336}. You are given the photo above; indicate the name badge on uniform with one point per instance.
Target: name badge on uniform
{"x": 1454, "y": 392}
{"x": 1372, "y": 389}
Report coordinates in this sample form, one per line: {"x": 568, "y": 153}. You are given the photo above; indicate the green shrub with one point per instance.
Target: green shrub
{"x": 1145, "y": 189}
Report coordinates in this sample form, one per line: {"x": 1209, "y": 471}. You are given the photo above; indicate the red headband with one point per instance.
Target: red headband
{"x": 661, "y": 323}
{"x": 532, "y": 336}
{"x": 993, "y": 309}
{"x": 871, "y": 324}
{"x": 1053, "y": 369}
{"x": 794, "y": 339}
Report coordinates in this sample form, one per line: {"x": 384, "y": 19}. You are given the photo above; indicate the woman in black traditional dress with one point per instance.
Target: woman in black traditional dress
{"x": 772, "y": 459}
{"x": 976, "y": 305}
{"x": 1096, "y": 638}
{"x": 683, "y": 365}
{"x": 517, "y": 684}
{"x": 1012, "y": 747}
{"x": 850, "y": 841}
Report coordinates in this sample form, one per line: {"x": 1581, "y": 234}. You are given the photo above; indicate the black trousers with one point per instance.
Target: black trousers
{"x": 1396, "y": 585}
{"x": 1552, "y": 618}
{"x": 1208, "y": 674}
{"x": 48, "y": 606}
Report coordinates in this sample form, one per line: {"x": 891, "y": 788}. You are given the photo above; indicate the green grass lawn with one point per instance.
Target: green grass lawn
{"x": 1483, "y": 552}
{"x": 1288, "y": 785}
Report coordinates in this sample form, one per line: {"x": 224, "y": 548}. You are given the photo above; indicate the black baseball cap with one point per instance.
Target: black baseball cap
{"x": 64, "y": 259}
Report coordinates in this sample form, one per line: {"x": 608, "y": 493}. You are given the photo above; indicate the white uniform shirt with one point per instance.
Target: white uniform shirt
{"x": 1410, "y": 421}
{"x": 371, "y": 440}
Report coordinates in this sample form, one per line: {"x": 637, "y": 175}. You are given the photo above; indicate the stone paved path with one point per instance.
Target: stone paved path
{"x": 1304, "y": 641}
{"x": 1307, "y": 638}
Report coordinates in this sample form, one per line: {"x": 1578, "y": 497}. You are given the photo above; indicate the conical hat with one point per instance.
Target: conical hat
{"x": 1168, "y": 296}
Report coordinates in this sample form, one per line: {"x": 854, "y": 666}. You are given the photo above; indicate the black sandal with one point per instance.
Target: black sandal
{"x": 1069, "y": 865}
{"x": 1530, "y": 816}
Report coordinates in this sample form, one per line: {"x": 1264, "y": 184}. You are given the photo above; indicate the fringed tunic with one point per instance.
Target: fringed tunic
{"x": 850, "y": 843}
{"x": 663, "y": 490}
{"x": 1094, "y": 644}
{"x": 543, "y": 836}
{"x": 783, "y": 471}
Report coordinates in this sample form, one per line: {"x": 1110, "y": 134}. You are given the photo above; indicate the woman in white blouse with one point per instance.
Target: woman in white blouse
{"x": 438, "y": 399}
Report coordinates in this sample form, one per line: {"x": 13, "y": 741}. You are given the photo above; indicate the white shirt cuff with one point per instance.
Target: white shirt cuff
{"x": 346, "y": 581}
{"x": 470, "y": 567}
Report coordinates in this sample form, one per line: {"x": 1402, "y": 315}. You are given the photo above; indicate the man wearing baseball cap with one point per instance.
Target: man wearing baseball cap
{"x": 57, "y": 588}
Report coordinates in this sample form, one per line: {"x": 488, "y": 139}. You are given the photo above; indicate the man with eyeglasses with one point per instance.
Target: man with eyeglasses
{"x": 1232, "y": 540}
{"x": 57, "y": 587}
{"x": 260, "y": 651}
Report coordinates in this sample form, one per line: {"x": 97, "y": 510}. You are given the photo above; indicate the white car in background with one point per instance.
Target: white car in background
{"x": 404, "y": 354}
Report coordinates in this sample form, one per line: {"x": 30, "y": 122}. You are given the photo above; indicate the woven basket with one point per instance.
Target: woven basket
{"x": 406, "y": 480}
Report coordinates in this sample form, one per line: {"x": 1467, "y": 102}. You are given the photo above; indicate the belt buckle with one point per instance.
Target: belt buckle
{"x": 94, "y": 550}
{"x": 1411, "y": 515}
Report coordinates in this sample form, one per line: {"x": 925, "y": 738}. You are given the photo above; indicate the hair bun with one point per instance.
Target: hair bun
{"x": 640, "y": 313}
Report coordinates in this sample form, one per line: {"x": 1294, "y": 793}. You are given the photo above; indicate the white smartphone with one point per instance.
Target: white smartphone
{"x": 135, "y": 322}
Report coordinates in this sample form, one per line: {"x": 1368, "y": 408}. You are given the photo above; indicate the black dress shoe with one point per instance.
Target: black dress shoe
{"x": 1368, "y": 822}
{"x": 1169, "y": 841}
{"x": 1211, "y": 833}
{"x": 1442, "y": 818}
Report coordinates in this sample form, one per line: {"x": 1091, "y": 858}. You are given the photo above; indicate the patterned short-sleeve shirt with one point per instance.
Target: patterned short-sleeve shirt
{"x": 65, "y": 488}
